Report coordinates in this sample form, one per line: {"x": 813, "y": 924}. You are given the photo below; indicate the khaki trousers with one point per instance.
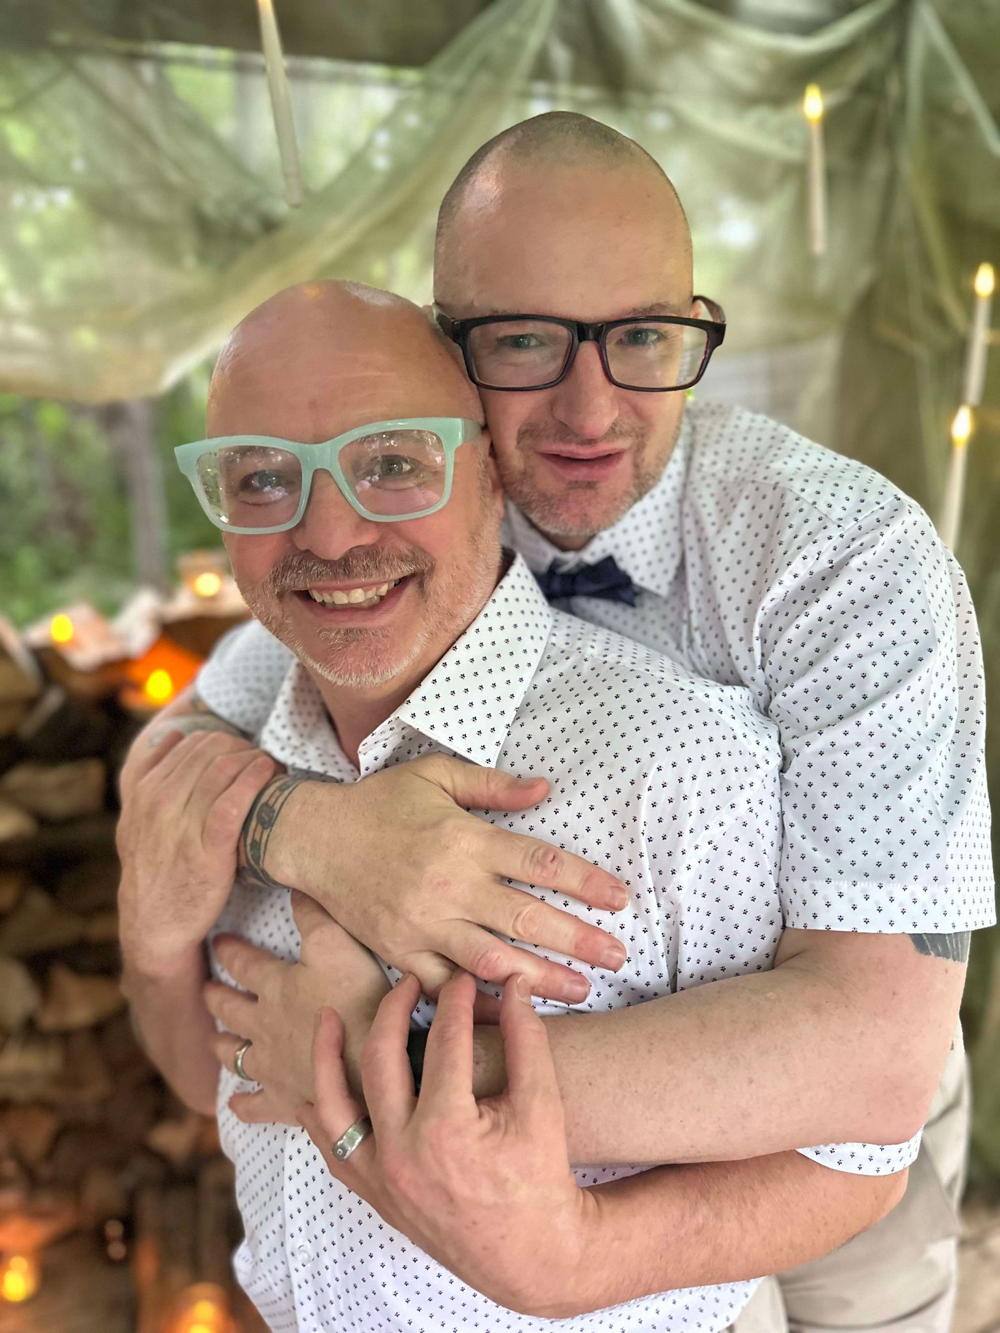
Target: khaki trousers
{"x": 900, "y": 1275}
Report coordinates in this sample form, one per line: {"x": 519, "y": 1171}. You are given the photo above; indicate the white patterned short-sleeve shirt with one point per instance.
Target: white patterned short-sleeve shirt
{"x": 669, "y": 781}
{"x": 765, "y": 560}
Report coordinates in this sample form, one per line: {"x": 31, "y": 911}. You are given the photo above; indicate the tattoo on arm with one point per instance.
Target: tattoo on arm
{"x": 259, "y": 825}
{"x": 953, "y": 947}
{"x": 198, "y": 718}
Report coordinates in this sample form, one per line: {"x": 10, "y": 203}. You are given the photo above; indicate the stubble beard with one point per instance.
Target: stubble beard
{"x": 453, "y": 609}
{"x": 558, "y": 515}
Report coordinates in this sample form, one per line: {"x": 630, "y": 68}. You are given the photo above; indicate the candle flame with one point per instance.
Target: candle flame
{"x": 61, "y": 629}
{"x": 19, "y": 1278}
{"x": 962, "y": 426}
{"x": 812, "y": 103}
{"x": 207, "y": 584}
{"x": 985, "y": 280}
{"x": 206, "y": 1314}
{"x": 159, "y": 686}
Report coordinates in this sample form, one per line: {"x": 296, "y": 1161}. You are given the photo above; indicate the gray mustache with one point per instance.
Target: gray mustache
{"x": 299, "y": 572}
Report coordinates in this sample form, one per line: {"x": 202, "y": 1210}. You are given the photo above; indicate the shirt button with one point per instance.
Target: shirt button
{"x": 303, "y": 1252}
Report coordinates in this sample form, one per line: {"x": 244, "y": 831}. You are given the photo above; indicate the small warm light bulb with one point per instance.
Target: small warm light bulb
{"x": 207, "y": 584}
{"x": 159, "y": 686}
{"x": 985, "y": 280}
{"x": 962, "y": 426}
{"x": 61, "y": 629}
{"x": 19, "y": 1278}
{"x": 207, "y": 1311}
{"x": 812, "y": 103}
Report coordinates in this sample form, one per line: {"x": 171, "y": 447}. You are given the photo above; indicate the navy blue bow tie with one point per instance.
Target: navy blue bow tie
{"x": 604, "y": 579}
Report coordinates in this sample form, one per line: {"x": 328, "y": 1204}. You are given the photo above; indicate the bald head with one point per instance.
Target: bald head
{"x": 317, "y": 354}
{"x": 561, "y": 160}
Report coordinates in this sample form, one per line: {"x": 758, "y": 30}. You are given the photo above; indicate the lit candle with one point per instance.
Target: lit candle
{"x": 812, "y": 108}
{"x": 207, "y": 584}
{"x": 61, "y": 628}
{"x": 204, "y": 1309}
{"x": 19, "y": 1278}
{"x": 281, "y": 102}
{"x": 954, "y": 490}
{"x": 975, "y": 356}
{"x": 158, "y": 686}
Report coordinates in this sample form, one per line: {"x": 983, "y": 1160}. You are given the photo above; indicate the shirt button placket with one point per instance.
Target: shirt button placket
{"x": 299, "y": 1251}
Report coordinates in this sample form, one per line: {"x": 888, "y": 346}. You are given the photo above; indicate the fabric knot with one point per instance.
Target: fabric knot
{"x": 604, "y": 579}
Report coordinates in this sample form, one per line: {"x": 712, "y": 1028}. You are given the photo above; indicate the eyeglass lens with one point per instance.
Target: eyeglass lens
{"x": 645, "y": 355}
{"x": 390, "y": 473}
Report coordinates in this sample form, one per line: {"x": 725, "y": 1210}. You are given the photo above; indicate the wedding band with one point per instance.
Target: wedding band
{"x": 351, "y": 1137}
{"x": 241, "y": 1051}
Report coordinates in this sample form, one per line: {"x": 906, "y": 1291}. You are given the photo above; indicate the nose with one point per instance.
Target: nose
{"x": 330, "y": 527}
{"x": 586, "y": 401}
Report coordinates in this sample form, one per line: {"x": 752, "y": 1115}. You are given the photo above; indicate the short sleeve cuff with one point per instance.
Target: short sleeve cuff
{"x": 888, "y": 909}
{"x": 866, "y": 1159}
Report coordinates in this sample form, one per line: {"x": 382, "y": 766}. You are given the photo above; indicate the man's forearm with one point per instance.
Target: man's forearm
{"x": 755, "y": 1064}
{"x": 175, "y": 1028}
{"x": 685, "y": 1226}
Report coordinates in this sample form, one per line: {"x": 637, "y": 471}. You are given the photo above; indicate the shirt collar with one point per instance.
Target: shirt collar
{"x": 650, "y": 562}
{"x": 465, "y": 704}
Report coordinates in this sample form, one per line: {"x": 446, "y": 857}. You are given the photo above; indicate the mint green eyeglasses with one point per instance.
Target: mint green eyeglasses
{"x": 387, "y": 471}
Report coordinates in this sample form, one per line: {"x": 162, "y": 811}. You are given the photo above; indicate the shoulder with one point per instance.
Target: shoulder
{"x": 241, "y": 679}
{"x": 749, "y": 475}
{"x": 734, "y": 448}
{"x": 643, "y": 699}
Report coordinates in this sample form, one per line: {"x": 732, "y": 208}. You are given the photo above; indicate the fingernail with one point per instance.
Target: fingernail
{"x": 613, "y": 956}
{"x": 618, "y": 896}
{"x": 522, "y": 990}
{"x": 578, "y": 988}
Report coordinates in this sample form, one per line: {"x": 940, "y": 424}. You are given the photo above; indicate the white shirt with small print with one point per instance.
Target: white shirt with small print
{"x": 669, "y": 781}
{"x": 765, "y": 560}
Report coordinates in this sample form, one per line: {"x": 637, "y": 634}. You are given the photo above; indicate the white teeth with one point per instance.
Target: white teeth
{"x": 367, "y": 597}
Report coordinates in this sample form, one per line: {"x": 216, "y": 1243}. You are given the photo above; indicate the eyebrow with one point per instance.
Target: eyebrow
{"x": 657, "y": 308}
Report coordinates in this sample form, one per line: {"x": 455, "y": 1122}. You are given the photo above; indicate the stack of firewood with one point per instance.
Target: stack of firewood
{"x": 90, "y": 1137}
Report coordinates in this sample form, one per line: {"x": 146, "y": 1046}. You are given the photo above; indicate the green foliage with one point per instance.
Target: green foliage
{"x": 65, "y": 530}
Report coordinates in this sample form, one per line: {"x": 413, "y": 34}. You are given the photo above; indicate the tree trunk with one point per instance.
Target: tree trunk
{"x": 130, "y": 428}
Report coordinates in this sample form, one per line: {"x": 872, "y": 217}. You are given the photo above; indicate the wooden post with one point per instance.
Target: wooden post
{"x": 130, "y": 430}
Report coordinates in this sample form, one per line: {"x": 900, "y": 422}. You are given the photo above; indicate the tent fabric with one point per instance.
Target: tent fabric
{"x": 143, "y": 212}
{"x": 388, "y": 32}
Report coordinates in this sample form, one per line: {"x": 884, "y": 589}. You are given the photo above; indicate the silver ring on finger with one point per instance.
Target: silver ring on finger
{"x": 241, "y": 1051}
{"x": 351, "y": 1137}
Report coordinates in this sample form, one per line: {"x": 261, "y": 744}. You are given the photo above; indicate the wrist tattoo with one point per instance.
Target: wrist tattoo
{"x": 259, "y": 824}
{"x": 953, "y": 947}
{"x": 259, "y": 878}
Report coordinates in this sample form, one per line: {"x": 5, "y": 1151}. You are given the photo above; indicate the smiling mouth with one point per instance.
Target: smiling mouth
{"x": 358, "y": 599}
{"x": 588, "y": 456}
{"x": 595, "y": 467}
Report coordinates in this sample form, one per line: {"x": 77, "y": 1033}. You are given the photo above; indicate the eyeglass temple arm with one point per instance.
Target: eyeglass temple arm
{"x": 714, "y": 309}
